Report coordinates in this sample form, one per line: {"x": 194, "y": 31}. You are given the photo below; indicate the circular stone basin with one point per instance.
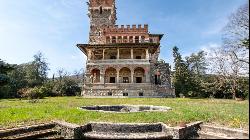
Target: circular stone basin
{"x": 125, "y": 108}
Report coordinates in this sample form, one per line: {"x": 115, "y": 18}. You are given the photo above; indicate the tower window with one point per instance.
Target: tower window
{"x": 142, "y": 39}
{"x": 113, "y": 39}
{"x": 125, "y": 39}
{"x": 108, "y": 39}
{"x": 137, "y": 39}
{"x": 101, "y": 10}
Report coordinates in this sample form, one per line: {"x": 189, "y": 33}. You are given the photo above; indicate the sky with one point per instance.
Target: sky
{"x": 54, "y": 27}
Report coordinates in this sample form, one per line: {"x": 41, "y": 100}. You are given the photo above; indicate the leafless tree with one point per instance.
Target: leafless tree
{"x": 228, "y": 68}
{"x": 236, "y": 34}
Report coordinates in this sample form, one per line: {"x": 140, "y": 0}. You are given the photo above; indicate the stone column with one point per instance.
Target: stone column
{"x": 117, "y": 77}
{"x": 132, "y": 53}
{"x": 139, "y": 39}
{"x": 147, "y": 54}
{"x": 89, "y": 54}
{"x": 103, "y": 54}
{"x": 132, "y": 76}
{"x": 148, "y": 77}
{"x": 102, "y": 78}
{"x": 118, "y": 53}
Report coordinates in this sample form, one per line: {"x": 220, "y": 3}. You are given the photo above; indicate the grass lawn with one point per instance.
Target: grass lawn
{"x": 229, "y": 113}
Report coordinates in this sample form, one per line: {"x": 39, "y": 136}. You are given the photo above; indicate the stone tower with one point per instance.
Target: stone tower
{"x": 101, "y": 13}
{"x": 122, "y": 60}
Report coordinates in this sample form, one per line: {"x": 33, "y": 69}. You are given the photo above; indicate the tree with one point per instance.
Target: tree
{"x": 36, "y": 71}
{"x": 4, "y": 69}
{"x": 66, "y": 85}
{"x": 197, "y": 63}
{"x": 5, "y": 80}
{"x": 236, "y": 34}
{"x": 182, "y": 78}
{"x": 230, "y": 72}
{"x": 197, "y": 66}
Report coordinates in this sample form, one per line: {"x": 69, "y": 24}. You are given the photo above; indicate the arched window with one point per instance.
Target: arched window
{"x": 125, "y": 75}
{"x": 139, "y": 75}
{"x": 110, "y": 75}
{"x": 95, "y": 76}
{"x": 158, "y": 78}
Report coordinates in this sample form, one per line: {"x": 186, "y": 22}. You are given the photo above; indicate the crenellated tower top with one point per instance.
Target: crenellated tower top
{"x": 101, "y": 13}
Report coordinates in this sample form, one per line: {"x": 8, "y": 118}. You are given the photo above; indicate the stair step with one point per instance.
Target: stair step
{"x": 33, "y": 135}
{"x": 22, "y": 130}
{"x": 103, "y": 135}
{"x": 53, "y": 137}
{"x": 227, "y": 131}
{"x": 212, "y": 135}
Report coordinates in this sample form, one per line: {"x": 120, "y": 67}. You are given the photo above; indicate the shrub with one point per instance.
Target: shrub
{"x": 67, "y": 87}
{"x": 33, "y": 93}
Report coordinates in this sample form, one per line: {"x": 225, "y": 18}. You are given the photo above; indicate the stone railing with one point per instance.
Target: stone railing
{"x": 119, "y": 61}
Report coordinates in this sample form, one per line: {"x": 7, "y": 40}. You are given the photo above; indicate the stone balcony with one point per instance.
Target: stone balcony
{"x": 118, "y": 61}
{"x": 135, "y": 86}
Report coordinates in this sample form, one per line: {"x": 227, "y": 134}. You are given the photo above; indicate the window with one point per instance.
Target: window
{"x": 119, "y": 39}
{"x": 142, "y": 39}
{"x": 140, "y": 94}
{"x": 131, "y": 39}
{"x": 112, "y": 79}
{"x": 125, "y": 39}
{"x": 157, "y": 80}
{"x": 125, "y": 80}
{"x": 151, "y": 40}
{"x": 101, "y": 10}
{"x": 137, "y": 39}
{"x": 138, "y": 57}
{"x": 112, "y": 57}
{"x": 109, "y": 93}
{"x": 107, "y": 40}
{"x": 125, "y": 94}
{"x": 138, "y": 79}
{"x": 113, "y": 39}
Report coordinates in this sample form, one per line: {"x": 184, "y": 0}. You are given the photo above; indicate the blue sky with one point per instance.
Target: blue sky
{"x": 54, "y": 27}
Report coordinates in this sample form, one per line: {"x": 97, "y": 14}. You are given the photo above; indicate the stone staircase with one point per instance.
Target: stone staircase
{"x": 125, "y": 131}
{"x": 40, "y": 131}
{"x": 212, "y": 132}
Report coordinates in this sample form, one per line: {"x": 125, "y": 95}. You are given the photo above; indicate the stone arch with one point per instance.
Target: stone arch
{"x": 110, "y": 75}
{"x": 95, "y": 75}
{"x": 139, "y": 75}
{"x": 125, "y": 75}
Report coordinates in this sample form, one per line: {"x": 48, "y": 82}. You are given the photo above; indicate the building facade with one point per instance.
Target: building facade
{"x": 122, "y": 61}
